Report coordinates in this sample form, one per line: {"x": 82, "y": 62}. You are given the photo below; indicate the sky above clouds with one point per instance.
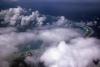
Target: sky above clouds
{"x": 52, "y": 0}
{"x": 9, "y": 0}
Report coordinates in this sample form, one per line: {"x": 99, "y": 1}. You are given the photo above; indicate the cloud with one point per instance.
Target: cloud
{"x": 58, "y": 34}
{"x": 81, "y": 53}
{"x": 9, "y": 43}
{"x": 5, "y": 30}
{"x": 62, "y": 44}
{"x": 17, "y": 17}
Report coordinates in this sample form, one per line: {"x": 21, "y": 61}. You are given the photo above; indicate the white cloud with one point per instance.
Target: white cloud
{"x": 14, "y": 16}
{"x": 61, "y": 21}
{"x": 78, "y": 54}
{"x": 8, "y": 43}
{"x": 40, "y": 20}
{"x": 58, "y": 34}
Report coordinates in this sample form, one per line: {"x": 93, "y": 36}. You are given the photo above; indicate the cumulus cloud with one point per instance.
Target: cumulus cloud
{"x": 61, "y": 20}
{"x": 11, "y": 16}
{"x": 19, "y": 17}
{"x": 16, "y": 16}
{"x": 81, "y": 53}
{"x": 62, "y": 44}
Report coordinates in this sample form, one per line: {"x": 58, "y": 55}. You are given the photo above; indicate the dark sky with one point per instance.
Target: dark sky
{"x": 53, "y": 0}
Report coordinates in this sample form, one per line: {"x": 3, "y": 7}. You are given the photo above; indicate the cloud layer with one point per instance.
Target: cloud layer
{"x": 62, "y": 42}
